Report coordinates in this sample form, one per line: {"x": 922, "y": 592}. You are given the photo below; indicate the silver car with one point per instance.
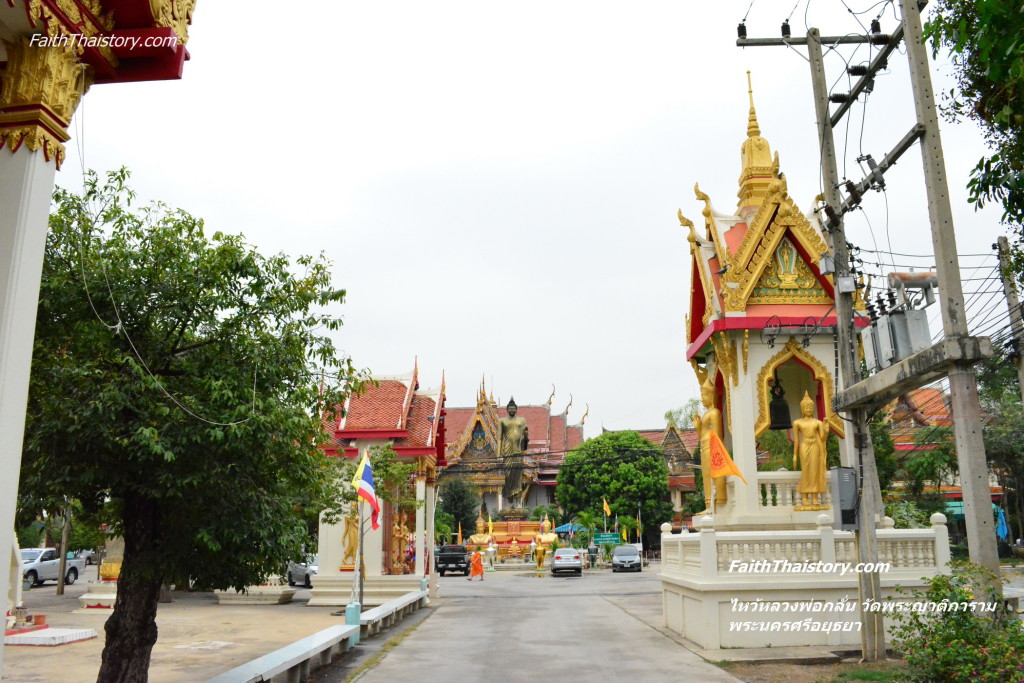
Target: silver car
{"x": 626, "y": 558}
{"x": 302, "y": 572}
{"x": 567, "y": 560}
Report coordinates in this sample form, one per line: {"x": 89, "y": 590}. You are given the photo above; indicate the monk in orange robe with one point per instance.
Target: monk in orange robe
{"x": 476, "y": 566}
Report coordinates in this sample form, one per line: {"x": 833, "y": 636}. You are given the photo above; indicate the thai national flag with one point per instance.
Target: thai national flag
{"x": 363, "y": 483}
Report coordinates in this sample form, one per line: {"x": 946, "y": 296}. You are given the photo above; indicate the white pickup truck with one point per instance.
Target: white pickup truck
{"x": 42, "y": 564}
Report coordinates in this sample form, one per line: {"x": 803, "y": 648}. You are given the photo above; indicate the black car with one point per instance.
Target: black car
{"x": 452, "y": 558}
{"x": 626, "y": 558}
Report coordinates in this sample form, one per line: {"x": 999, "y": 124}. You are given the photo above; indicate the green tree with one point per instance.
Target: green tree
{"x": 682, "y": 417}
{"x": 884, "y": 449}
{"x": 623, "y": 468}
{"x": 189, "y": 376}
{"x": 461, "y": 500}
{"x": 780, "y": 449}
{"x": 550, "y": 511}
{"x": 983, "y": 39}
{"x": 444, "y": 526}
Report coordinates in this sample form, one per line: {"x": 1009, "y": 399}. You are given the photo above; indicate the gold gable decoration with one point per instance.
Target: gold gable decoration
{"x": 787, "y": 279}
{"x": 776, "y": 219}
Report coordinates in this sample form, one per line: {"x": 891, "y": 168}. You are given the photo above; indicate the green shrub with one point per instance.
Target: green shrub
{"x": 960, "y": 645}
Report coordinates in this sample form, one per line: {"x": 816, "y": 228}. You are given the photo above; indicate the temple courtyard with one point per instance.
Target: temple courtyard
{"x": 513, "y": 626}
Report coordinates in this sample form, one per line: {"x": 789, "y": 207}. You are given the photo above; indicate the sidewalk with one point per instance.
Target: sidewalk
{"x": 197, "y": 640}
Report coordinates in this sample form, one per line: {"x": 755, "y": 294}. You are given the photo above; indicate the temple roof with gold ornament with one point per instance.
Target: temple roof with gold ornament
{"x": 396, "y": 409}
{"x": 121, "y": 40}
{"x": 474, "y": 439}
{"x": 759, "y": 262}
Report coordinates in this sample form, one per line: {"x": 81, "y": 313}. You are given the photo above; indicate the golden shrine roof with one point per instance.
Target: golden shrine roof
{"x": 763, "y": 259}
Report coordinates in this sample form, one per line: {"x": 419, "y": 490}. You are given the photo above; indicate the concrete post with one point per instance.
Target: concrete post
{"x": 421, "y": 529}
{"x": 942, "y": 555}
{"x": 353, "y": 612}
{"x": 1013, "y": 303}
{"x": 828, "y": 538}
{"x": 963, "y": 385}
{"x": 708, "y": 549}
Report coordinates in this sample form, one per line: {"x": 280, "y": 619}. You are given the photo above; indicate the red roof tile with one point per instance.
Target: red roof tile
{"x": 574, "y": 437}
{"x": 379, "y": 408}
{"x": 420, "y": 428}
{"x": 456, "y": 420}
{"x": 557, "y": 433}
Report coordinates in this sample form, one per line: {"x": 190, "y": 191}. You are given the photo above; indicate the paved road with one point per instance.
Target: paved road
{"x": 517, "y": 627}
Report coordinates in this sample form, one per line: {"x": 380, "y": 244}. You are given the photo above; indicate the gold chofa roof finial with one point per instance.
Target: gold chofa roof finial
{"x": 753, "y": 130}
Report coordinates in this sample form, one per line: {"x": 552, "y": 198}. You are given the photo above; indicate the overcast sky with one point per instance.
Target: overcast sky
{"x": 497, "y": 183}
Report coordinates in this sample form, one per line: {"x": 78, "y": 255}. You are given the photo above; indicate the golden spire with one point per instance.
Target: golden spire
{"x": 756, "y": 156}
{"x": 753, "y": 130}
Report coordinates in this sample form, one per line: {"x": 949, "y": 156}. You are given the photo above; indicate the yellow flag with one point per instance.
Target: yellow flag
{"x": 721, "y": 463}
{"x": 460, "y": 533}
{"x": 490, "y": 524}
{"x": 607, "y": 510}
{"x": 625, "y": 538}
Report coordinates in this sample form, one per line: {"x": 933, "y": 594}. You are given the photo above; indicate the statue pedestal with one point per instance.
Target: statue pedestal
{"x": 337, "y": 590}
{"x": 256, "y": 595}
{"x": 99, "y": 599}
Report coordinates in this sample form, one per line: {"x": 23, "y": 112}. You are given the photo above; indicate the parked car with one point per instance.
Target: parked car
{"x": 39, "y": 565}
{"x": 626, "y": 558}
{"x": 303, "y": 572}
{"x": 452, "y": 558}
{"x": 90, "y": 556}
{"x": 567, "y": 560}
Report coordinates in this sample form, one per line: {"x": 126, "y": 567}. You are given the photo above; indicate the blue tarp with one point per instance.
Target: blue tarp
{"x": 564, "y": 529}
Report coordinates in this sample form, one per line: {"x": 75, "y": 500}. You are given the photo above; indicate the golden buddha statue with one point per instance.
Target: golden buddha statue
{"x": 809, "y": 435}
{"x": 350, "y": 538}
{"x": 704, "y": 424}
{"x": 514, "y": 550}
{"x": 399, "y": 538}
{"x": 543, "y": 542}
{"x": 513, "y": 437}
{"x": 481, "y": 539}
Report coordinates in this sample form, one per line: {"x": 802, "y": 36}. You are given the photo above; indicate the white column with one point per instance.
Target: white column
{"x": 329, "y": 548}
{"x": 26, "y": 183}
{"x": 431, "y": 505}
{"x": 42, "y": 88}
{"x": 743, "y": 414}
{"x": 421, "y": 489}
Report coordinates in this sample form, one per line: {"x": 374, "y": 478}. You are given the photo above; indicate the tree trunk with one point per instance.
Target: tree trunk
{"x": 131, "y": 629}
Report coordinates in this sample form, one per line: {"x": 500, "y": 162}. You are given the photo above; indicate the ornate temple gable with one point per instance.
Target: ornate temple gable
{"x": 787, "y": 279}
{"x": 479, "y": 438}
{"x": 778, "y": 218}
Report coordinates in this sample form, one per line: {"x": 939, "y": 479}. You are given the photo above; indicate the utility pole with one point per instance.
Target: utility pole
{"x": 869, "y": 583}
{"x": 1013, "y": 302}
{"x": 953, "y": 356}
{"x": 963, "y": 386}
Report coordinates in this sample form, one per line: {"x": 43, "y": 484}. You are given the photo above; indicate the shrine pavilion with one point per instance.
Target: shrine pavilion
{"x": 396, "y": 411}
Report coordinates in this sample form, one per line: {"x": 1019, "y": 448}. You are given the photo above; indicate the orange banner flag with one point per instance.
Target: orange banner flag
{"x": 721, "y": 463}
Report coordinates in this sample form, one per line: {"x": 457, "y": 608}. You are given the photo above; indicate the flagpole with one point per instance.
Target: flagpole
{"x": 358, "y": 585}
